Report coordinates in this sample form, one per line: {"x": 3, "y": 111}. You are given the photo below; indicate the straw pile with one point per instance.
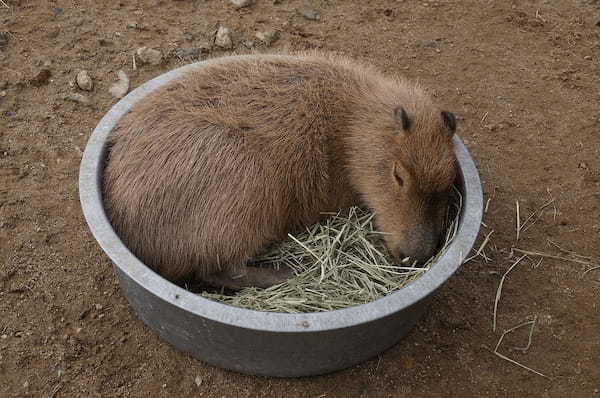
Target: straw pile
{"x": 339, "y": 263}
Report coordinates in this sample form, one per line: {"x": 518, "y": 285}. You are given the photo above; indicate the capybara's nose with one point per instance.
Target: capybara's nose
{"x": 426, "y": 249}
{"x": 419, "y": 250}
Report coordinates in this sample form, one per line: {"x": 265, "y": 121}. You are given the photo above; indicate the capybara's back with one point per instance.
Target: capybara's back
{"x": 211, "y": 168}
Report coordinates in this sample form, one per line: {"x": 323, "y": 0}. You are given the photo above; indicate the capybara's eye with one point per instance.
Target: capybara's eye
{"x": 402, "y": 118}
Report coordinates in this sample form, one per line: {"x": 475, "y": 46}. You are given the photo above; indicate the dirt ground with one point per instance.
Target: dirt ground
{"x": 523, "y": 78}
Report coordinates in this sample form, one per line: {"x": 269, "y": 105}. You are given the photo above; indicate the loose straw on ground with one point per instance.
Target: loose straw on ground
{"x": 480, "y": 251}
{"x": 497, "y": 353}
{"x": 499, "y": 290}
{"x": 339, "y": 263}
{"x": 540, "y": 254}
{"x": 518, "y": 221}
{"x": 532, "y": 219}
{"x": 587, "y": 261}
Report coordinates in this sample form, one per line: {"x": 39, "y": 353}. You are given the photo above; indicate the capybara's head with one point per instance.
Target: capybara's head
{"x": 415, "y": 174}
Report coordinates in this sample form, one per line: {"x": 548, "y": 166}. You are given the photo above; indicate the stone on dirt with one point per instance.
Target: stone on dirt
{"x": 84, "y": 81}
{"x": 268, "y": 36}
{"x": 148, "y": 55}
{"x": 249, "y": 44}
{"x": 121, "y": 87}
{"x": 79, "y": 98}
{"x": 192, "y": 52}
{"x": 223, "y": 38}
{"x": 241, "y": 3}
{"x": 310, "y": 14}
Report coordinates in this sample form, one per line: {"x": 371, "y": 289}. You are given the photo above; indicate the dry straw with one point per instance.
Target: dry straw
{"x": 339, "y": 263}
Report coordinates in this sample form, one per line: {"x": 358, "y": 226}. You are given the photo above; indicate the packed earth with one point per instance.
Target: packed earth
{"x": 523, "y": 78}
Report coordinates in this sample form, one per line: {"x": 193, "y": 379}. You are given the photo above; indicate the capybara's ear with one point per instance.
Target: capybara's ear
{"x": 449, "y": 121}
{"x": 402, "y": 118}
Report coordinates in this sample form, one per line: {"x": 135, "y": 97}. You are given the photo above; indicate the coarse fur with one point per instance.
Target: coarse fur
{"x": 211, "y": 168}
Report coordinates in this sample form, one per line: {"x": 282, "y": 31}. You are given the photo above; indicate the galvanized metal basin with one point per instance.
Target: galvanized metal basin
{"x": 270, "y": 344}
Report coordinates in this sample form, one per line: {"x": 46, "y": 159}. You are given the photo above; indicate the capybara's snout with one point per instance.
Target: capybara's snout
{"x": 419, "y": 243}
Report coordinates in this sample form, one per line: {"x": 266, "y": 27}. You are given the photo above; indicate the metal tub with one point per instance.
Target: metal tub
{"x": 262, "y": 343}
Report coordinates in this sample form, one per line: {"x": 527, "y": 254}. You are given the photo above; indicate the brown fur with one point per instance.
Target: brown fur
{"x": 211, "y": 168}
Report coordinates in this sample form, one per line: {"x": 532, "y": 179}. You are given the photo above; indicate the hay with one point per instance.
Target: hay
{"x": 531, "y": 325}
{"x": 499, "y": 290}
{"x": 339, "y": 263}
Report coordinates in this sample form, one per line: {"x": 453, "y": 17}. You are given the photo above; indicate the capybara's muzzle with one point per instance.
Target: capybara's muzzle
{"x": 419, "y": 243}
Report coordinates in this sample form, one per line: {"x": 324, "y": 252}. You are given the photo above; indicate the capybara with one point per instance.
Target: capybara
{"x": 208, "y": 170}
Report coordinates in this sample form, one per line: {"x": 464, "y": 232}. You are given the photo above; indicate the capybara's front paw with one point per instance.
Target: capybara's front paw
{"x": 249, "y": 277}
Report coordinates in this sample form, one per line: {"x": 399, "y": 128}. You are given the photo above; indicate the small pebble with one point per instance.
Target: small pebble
{"x": 311, "y": 14}
{"x": 41, "y": 78}
{"x": 431, "y": 44}
{"x": 4, "y": 336}
{"x": 188, "y": 53}
{"x": 241, "y": 3}
{"x": 79, "y": 98}
{"x": 84, "y": 81}
{"x": 223, "y": 38}
{"x": 149, "y": 55}
{"x": 249, "y": 44}
{"x": 26, "y": 384}
{"x": 121, "y": 87}
{"x": 99, "y": 307}
{"x": 3, "y": 93}
{"x": 198, "y": 381}
{"x": 268, "y": 37}
{"x": 205, "y": 46}
{"x": 587, "y": 57}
